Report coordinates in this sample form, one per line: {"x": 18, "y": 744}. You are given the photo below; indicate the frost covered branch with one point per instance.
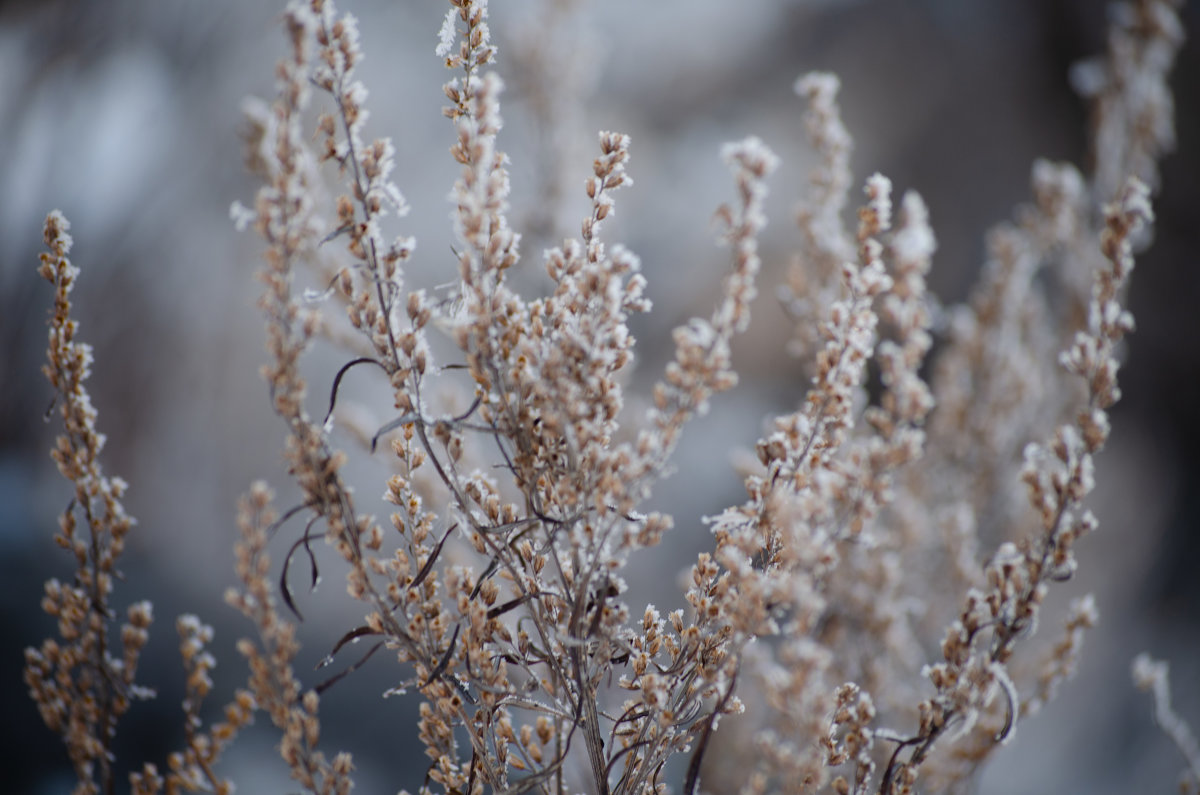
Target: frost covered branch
{"x": 862, "y": 616}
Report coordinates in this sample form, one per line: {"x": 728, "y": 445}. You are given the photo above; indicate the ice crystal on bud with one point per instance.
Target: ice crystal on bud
{"x": 448, "y": 34}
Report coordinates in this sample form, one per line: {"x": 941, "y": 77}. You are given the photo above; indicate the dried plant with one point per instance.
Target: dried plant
{"x": 850, "y": 617}
{"x": 1150, "y": 674}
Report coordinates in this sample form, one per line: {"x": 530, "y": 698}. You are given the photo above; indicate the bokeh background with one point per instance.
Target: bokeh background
{"x": 125, "y": 115}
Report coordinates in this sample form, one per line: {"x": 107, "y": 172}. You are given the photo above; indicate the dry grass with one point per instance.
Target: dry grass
{"x": 863, "y": 617}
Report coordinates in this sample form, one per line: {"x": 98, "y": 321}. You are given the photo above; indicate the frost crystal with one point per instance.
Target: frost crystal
{"x": 447, "y": 34}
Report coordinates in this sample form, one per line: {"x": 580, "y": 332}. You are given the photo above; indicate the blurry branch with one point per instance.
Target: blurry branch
{"x": 81, "y": 687}
{"x": 1152, "y": 675}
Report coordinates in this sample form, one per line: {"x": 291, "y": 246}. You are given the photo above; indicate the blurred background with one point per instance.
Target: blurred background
{"x": 125, "y": 115}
